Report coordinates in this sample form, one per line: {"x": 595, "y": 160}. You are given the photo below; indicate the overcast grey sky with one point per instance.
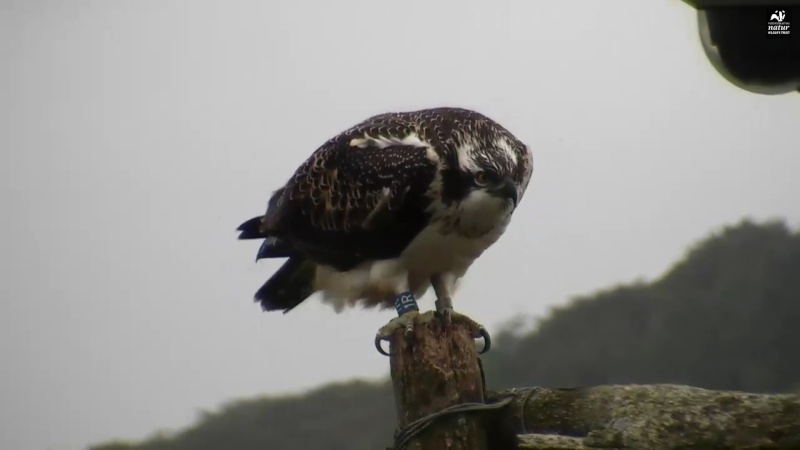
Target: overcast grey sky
{"x": 136, "y": 136}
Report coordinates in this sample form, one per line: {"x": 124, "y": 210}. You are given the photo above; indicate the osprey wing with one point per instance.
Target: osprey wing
{"x": 362, "y": 195}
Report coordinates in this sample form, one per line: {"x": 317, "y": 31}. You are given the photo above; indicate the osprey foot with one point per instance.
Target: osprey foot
{"x": 448, "y": 317}
{"x": 407, "y": 321}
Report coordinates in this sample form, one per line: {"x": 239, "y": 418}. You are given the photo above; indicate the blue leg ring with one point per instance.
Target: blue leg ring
{"x": 405, "y": 302}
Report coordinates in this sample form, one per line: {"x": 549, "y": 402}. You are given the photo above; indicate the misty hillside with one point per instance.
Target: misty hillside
{"x": 724, "y": 317}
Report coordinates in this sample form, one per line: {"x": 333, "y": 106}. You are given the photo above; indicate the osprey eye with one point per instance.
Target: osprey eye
{"x": 482, "y": 178}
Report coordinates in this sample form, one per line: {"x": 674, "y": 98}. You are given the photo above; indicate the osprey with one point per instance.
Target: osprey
{"x": 390, "y": 207}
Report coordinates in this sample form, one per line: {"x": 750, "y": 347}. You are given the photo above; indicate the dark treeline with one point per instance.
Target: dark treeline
{"x": 727, "y": 316}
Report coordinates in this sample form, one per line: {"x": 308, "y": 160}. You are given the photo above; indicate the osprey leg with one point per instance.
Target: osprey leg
{"x": 444, "y": 304}
{"x": 444, "y": 308}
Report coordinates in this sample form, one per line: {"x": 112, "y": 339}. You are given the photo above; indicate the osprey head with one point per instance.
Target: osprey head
{"x": 488, "y": 173}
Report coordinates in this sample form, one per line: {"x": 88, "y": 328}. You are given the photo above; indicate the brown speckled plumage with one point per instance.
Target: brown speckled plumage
{"x": 368, "y": 191}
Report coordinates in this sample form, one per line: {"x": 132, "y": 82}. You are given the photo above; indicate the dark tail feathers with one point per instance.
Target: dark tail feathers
{"x": 292, "y": 283}
{"x": 251, "y": 229}
{"x": 272, "y": 247}
{"x": 289, "y": 286}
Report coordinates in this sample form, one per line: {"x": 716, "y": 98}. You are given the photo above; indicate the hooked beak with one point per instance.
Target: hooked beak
{"x": 506, "y": 189}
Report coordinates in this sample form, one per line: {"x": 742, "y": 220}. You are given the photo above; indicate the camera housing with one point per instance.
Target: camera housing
{"x": 738, "y": 45}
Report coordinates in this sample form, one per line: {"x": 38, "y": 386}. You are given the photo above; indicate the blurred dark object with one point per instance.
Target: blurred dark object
{"x": 736, "y": 41}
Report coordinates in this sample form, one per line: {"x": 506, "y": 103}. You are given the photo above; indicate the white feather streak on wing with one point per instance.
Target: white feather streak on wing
{"x": 411, "y": 140}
